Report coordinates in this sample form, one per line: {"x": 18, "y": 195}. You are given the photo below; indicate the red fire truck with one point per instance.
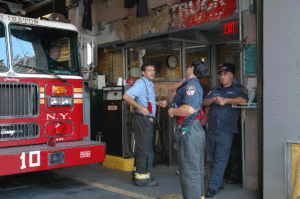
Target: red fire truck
{"x": 41, "y": 107}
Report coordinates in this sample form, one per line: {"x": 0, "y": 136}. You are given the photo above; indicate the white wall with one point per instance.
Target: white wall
{"x": 281, "y": 89}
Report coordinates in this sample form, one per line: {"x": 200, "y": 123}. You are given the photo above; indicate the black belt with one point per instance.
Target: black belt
{"x": 139, "y": 114}
{"x": 179, "y": 126}
{"x": 154, "y": 120}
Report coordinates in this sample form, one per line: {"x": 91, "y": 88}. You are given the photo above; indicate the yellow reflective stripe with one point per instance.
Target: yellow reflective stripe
{"x": 42, "y": 101}
{"x": 113, "y": 189}
{"x": 42, "y": 89}
{"x": 142, "y": 176}
{"x": 203, "y": 197}
{"x": 78, "y": 101}
{"x": 77, "y": 90}
{"x": 134, "y": 169}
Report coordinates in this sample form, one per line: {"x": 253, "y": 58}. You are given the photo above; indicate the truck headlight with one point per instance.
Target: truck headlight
{"x": 60, "y": 101}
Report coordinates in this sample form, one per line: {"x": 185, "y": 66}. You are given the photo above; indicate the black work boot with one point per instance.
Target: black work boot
{"x": 145, "y": 183}
{"x": 148, "y": 181}
{"x": 152, "y": 182}
{"x": 210, "y": 193}
{"x": 133, "y": 175}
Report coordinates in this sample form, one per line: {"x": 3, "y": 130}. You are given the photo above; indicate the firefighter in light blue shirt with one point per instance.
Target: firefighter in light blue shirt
{"x": 143, "y": 92}
{"x": 142, "y": 97}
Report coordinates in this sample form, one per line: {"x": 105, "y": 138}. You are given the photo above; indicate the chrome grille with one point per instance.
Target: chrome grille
{"x": 19, "y": 131}
{"x": 56, "y": 158}
{"x": 19, "y": 100}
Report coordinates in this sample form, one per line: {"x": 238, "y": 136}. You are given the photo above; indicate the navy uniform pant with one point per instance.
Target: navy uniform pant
{"x": 142, "y": 127}
{"x": 191, "y": 162}
{"x": 218, "y": 151}
{"x": 234, "y": 167}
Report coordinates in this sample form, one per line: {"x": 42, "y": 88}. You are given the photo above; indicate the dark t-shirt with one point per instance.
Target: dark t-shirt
{"x": 57, "y": 67}
{"x": 52, "y": 64}
{"x": 205, "y": 88}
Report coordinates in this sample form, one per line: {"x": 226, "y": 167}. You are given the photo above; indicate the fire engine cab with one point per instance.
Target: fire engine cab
{"x": 41, "y": 107}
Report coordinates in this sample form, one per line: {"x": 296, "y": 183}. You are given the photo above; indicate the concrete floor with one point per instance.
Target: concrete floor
{"x": 166, "y": 176}
{"x": 95, "y": 181}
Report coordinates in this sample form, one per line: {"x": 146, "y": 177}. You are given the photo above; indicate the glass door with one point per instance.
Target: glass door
{"x": 165, "y": 56}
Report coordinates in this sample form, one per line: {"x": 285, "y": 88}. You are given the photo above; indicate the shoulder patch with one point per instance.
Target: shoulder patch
{"x": 190, "y": 90}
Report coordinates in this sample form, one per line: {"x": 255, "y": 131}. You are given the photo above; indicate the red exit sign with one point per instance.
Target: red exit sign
{"x": 229, "y": 28}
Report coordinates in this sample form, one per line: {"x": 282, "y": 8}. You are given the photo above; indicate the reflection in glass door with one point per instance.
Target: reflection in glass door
{"x": 201, "y": 52}
{"x": 165, "y": 56}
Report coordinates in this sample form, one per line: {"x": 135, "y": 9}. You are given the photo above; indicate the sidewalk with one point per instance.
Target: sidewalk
{"x": 169, "y": 186}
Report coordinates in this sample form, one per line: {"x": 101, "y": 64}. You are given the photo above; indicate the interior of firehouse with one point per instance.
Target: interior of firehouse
{"x": 229, "y": 40}
{"x": 171, "y": 54}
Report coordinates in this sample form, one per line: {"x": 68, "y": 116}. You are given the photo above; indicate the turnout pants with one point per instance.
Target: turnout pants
{"x": 191, "y": 161}
{"x": 142, "y": 127}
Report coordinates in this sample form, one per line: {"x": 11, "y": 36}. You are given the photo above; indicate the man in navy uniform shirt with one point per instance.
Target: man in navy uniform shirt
{"x": 222, "y": 124}
{"x": 190, "y": 135}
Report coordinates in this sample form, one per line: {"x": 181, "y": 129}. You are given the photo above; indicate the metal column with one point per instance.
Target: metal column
{"x": 259, "y": 22}
{"x": 241, "y": 79}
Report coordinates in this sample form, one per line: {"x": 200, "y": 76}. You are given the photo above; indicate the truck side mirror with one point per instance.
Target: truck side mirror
{"x": 91, "y": 54}
{"x": 90, "y": 78}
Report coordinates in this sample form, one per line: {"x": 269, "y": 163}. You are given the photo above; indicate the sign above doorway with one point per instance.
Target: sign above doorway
{"x": 229, "y": 28}
{"x": 195, "y": 12}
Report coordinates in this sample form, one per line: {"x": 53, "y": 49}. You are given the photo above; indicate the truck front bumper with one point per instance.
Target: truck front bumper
{"x": 24, "y": 159}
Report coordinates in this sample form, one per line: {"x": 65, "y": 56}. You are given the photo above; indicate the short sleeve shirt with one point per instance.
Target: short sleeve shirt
{"x": 205, "y": 88}
{"x": 190, "y": 93}
{"x": 237, "y": 83}
{"x": 224, "y": 118}
{"x": 142, "y": 92}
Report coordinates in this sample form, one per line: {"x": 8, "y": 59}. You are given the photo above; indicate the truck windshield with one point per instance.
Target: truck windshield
{"x": 3, "y": 50}
{"x": 47, "y": 49}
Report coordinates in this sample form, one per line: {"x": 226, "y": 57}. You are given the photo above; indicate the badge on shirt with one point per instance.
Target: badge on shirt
{"x": 190, "y": 90}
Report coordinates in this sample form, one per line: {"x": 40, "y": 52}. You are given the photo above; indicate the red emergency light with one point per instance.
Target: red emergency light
{"x": 60, "y": 129}
{"x": 229, "y": 28}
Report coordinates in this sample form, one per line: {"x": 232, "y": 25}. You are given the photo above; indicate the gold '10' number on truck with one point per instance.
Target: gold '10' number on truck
{"x": 31, "y": 163}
